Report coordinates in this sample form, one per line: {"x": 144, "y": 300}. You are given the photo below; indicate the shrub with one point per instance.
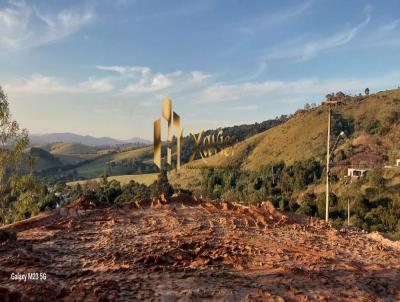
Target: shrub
{"x": 374, "y": 127}
{"x": 308, "y": 205}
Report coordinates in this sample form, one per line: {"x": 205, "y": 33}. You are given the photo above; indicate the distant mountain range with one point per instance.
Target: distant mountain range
{"x": 83, "y": 139}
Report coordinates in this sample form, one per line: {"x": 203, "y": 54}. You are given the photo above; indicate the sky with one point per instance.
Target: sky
{"x": 103, "y": 67}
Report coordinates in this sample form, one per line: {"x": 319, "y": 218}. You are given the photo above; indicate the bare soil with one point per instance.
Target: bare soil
{"x": 183, "y": 249}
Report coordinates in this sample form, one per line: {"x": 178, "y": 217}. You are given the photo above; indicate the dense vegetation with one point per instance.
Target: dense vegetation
{"x": 371, "y": 124}
{"x": 29, "y": 196}
{"x": 374, "y": 204}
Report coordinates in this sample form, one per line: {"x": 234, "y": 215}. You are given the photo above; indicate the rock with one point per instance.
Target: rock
{"x": 267, "y": 205}
{"x": 163, "y": 198}
{"x": 227, "y": 206}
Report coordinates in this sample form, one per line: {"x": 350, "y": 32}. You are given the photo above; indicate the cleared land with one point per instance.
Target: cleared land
{"x": 186, "y": 250}
{"x": 146, "y": 179}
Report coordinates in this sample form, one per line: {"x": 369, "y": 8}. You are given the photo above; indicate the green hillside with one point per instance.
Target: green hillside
{"x": 72, "y": 149}
{"x": 286, "y": 164}
{"x": 146, "y": 179}
{"x": 60, "y": 155}
{"x": 374, "y": 117}
{"x": 70, "y": 161}
{"x": 119, "y": 163}
{"x": 42, "y": 160}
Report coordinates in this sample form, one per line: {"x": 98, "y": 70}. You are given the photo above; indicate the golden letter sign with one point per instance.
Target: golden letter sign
{"x": 167, "y": 115}
{"x": 210, "y": 145}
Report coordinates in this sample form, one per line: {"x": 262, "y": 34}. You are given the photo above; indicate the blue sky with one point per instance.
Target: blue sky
{"x": 103, "y": 67}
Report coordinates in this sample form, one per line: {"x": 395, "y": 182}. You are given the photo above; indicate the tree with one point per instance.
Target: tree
{"x": 13, "y": 142}
{"x": 330, "y": 96}
{"x": 340, "y": 95}
{"x": 366, "y": 91}
{"x": 162, "y": 185}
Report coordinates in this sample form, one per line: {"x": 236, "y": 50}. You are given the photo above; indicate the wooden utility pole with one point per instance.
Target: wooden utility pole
{"x": 328, "y": 156}
{"x": 348, "y": 212}
{"x": 273, "y": 177}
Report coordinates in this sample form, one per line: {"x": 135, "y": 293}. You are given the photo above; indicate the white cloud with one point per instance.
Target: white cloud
{"x": 307, "y": 50}
{"x": 150, "y": 82}
{"x": 296, "y": 91}
{"x": 199, "y": 77}
{"x": 220, "y": 92}
{"x": 391, "y": 26}
{"x": 157, "y": 82}
{"x": 245, "y": 108}
{"x": 96, "y": 85}
{"x": 24, "y": 26}
{"x": 275, "y": 18}
{"x": 38, "y": 84}
{"x": 123, "y": 81}
{"x": 125, "y": 69}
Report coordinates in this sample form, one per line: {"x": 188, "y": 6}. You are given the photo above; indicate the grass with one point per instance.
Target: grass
{"x": 146, "y": 179}
{"x": 72, "y": 149}
{"x": 185, "y": 178}
{"x": 98, "y": 166}
{"x": 66, "y": 153}
{"x": 304, "y": 135}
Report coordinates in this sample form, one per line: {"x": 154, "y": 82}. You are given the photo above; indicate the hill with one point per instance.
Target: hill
{"x": 80, "y": 161}
{"x": 83, "y": 139}
{"x": 72, "y": 149}
{"x": 146, "y": 179}
{"x": 43, "y": 160}
{"x": 375, "y": 117}
{"x": 138, "y": 160}
{"x": 60, "y": 155}
{"x": 237, "y": 132}
{"x": 193, "y": 251}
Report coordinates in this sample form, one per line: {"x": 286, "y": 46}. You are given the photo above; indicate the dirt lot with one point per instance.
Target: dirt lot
{"x": 186, "y": 250}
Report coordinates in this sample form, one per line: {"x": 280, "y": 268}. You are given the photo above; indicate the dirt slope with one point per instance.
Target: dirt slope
{"x": 185, "y": 250}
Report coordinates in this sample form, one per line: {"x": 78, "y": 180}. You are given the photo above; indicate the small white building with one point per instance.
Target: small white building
{"x": 398, "y": 163}
{"x": 356, "y": 173}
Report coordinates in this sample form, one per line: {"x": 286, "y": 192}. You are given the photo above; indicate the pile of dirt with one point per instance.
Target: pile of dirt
{"x": 184, "y": 249}
{"x": 384, "y": 241}
{"x": 85, "y": 203}
{"x": 162, "y": 200}
{"x": 262, "y": 214}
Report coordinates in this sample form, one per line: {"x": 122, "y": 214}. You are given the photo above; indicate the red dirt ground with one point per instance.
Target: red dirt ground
{"x": 185, "y": 250}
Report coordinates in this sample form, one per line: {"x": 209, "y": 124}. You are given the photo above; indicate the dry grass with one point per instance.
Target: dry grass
{"x": 146, "y": 179}
{"x": 185, "y": 178}
{"x": 304, "y": 136}
{"x": 72, "y": 148}
{"x": 97, "y": 167}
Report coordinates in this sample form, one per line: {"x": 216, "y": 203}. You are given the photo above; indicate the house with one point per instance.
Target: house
{"x": 397, "y": 165}
{"x": 356, "y": 173}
